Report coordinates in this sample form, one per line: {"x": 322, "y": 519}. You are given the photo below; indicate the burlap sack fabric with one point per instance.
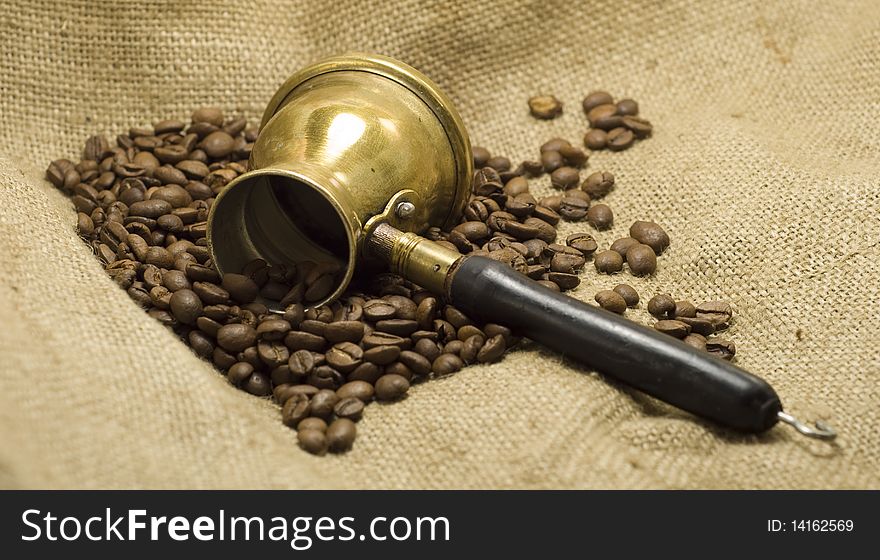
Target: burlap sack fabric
{"x": 763, "y": 169}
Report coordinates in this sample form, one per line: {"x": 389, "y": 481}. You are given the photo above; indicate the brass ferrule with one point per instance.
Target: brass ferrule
{"x": 417, "y": 259}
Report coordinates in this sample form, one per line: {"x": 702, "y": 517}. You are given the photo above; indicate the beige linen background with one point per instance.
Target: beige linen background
{"x": 763, "y": 169}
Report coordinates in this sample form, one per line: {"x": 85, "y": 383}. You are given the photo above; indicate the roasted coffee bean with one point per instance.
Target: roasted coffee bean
{"x": 358, "y": 389}
{"x": 600, "y": 216}
{"x": 367, "y": 371}
{"x": 301, "y": 363}
{"x": 258, "y": 385}
{"x": 382, "y": 339}
{"x": 564, "y": 178}
{"x": 595, "y": 99}
{"x": 641, "y": 259}
{"x": 639, "y": 127}
{"x": 516, "y": 186}
{"x": 344, "y": 331}
{"x": 545, "y": 107}
{"x": 218, "y": 144}
{"x": 628, "y": 293}
{"x": 312, "y": 441}
{"x": 583, "y": 242}
{"x": 447, "y": 363}
{"x": 650, "y": 234}
{"x": 349, "y": 407}
{"x": 235, "y": 337}
{"x": 211, "y": 293}
{"x": 325, "y": 377}
{"x": 415, "y": 362}
{"x": 685, "y": 308}
{"x": 573, "y": 156}
{"x": 211, "y": 115}
{"x": 427, "y": 348}
{"x": 562, "y": 262}
{"x": 201, "y": 273}
{"x": 611, "y": 300}
{"x": 153, "y": 208}
{"x": 345, "y": 356}
{"x": 718, "y": 312}
{"x": 554, "y": 145}
{"x": 469, "y": 349}
{"x": 296, "y": 408}
{"x": 201, "y": 343}
{"x": 312, "y": 423}
{"x": 273, "y": 328}
{"x": 453, "y": 347}
{"x": 698, "y": 325}
{"x": 662, "y": 306}
{"x": 399, "y": 327}
{"x": 622, "y": 245}
{"x": 405, "y": 307}
{"x": 608, "y": 262}
{"x": 673, "y": 328}
{"x": 698, "y": 341}
{"x": 522, "y": 205}
{"x": 378, "y": 310}
{"x": 481, "y": 156}
{"x": 426, "y": 312}
{"x": 620, "y": 138}
{"x": 564, "y": 280}
{"x": 174, "y": 280}
{"x": 323, "y": 402}
{"x": 391, "y": 387}
{"x": 573, "y": 208}
{"x": 492, "y": 350}
{"x": 498, "y": 163}
{"x": 551, "y": 160}
{"x": 273, "y": 354}
{"x": 721, "y": 348}
{"x": 545, "y": 231}
{"x": 598, "y": 184}
{"x": 382, "y": 355}
{"x": 341, "y": 435}
{"x": 313, "y": 326}
{"x": 596, "y": 139}
{"x": 186, "y": 307}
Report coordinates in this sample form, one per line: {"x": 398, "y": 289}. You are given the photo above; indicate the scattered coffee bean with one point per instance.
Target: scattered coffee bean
{"x": 391, "y": 387}
{"x": 313, "y": 441}
{"x": 662, "y": 306}
{"x": 650, "y": 234}
{"x": 545, "y": 107}
{"x": 685, "y": 308}
{"x": 628, "y": 293}
{"x": 595, "y": 99}
{"x": 608, "y": 262}
{"x": 718, "y": 313}
{"x": 722, "y": 348}
{"x": 600, "y": 216}
{"x": 641, "y": 260}
{"x": 340, "y": 435}
{"x": 611, "y": 300}
{"x": 673, "y": 328}
{"x": 598, "y": 184}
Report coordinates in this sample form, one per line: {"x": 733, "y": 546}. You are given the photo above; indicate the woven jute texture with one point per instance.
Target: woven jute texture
{"x": 763, "y": 169}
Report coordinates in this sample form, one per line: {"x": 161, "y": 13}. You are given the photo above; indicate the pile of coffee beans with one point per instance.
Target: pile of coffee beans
{"x": 142, "y": 204}
{"x": 614, "y": 125}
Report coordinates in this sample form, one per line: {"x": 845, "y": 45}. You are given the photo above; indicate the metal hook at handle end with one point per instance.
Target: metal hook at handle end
{"x": 820, "y": 431}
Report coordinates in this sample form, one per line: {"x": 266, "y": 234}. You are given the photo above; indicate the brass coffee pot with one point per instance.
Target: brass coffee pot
{"x": 358, "y": 154}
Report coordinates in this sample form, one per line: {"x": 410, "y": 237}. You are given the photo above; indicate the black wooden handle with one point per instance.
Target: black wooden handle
{"x": 639, "y": 356}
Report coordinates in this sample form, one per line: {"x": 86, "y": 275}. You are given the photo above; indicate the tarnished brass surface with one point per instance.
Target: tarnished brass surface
{"x": 343, "y": 143}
